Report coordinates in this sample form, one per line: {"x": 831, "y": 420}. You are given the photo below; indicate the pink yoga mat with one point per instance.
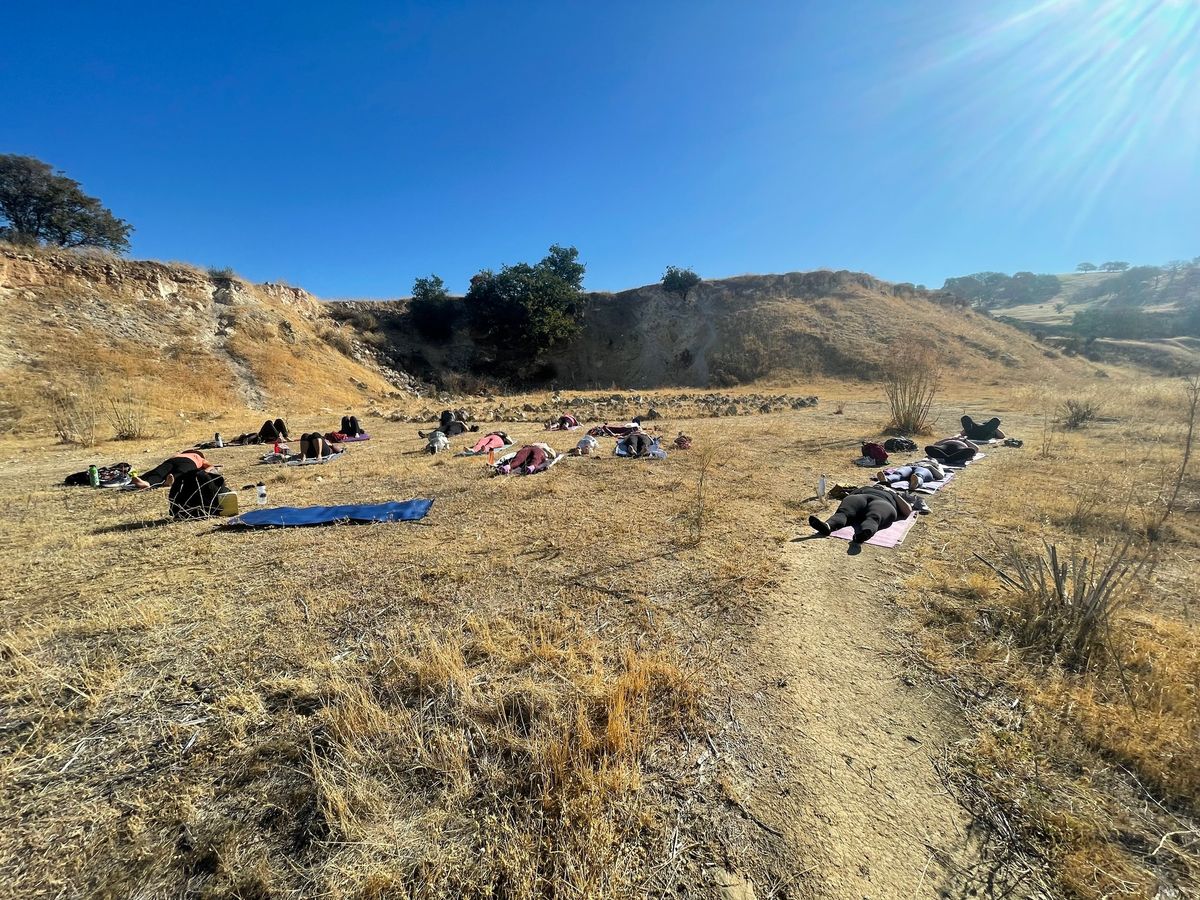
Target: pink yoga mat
{"x": 892, "y": 536}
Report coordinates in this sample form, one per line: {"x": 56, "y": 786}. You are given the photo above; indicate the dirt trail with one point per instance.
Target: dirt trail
{"x": 867, "y": 804}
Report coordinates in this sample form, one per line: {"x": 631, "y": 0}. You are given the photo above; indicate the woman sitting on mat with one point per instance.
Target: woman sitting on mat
{"x": 952, "y": 451}
{"x": 981, "y": 431}
{"x": 868, "y": 510}
{"x": 317, "y": 446}
{"x": 165, "y": 473}
{"x": 913, "y": 475}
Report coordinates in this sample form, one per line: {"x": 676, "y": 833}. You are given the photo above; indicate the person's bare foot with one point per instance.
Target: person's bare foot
{"x": 169, "y": 480}
{"x": 914, "y": 481}
{"x": 139, "y": 483}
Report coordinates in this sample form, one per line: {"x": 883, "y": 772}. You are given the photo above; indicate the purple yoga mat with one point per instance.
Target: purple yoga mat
{"x": 892, "y": 536}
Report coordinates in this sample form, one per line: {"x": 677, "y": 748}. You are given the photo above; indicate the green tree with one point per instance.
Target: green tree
{"x": 1114, "y": 266}
{"x": 523, "y": 310}
{"x": 41, "y": 206}
{"x": 679, "y": 281}
{"x": 1086, "y": 267}
{"x": 432, "y": 310}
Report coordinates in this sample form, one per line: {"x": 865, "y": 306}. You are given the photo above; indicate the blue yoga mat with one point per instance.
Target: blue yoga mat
{"x": 290, "y": 516}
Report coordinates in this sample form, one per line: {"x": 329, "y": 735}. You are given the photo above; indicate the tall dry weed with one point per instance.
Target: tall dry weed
{"x": 72, "y": 417}
{"x": 129, "y": 417}
{"x": 910, "y": 383}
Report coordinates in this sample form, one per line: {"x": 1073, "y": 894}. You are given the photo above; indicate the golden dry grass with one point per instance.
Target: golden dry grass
{"x": 509, "y": 698}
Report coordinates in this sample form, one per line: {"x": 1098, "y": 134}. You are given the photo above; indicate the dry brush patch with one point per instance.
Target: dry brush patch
{"x": 1087, "y": 716}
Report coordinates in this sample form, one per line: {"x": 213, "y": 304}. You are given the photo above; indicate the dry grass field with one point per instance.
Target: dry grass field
{"x": 618, "y": 678}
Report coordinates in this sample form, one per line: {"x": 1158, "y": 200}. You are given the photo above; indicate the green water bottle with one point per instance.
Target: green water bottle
{"x": 94, "y": 476}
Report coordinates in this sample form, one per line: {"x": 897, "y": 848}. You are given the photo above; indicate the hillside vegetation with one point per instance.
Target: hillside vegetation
{"x": 726, "y": 332}
{"x": 186, "y": 342}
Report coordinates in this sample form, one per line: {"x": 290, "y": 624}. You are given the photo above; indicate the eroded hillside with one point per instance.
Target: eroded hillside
{"x": 739, "y": 330}
{"x": 181, "y": 339}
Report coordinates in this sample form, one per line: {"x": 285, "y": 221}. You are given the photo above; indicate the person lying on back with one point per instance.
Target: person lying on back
{"x": 914, "y": 475}
{"x": 316, "y": 446}
{"x": 165, "y": 473}
{"x": 451, "y": 429}
{"x": 981, "y": 431}
{"x": 350, "y": 426}
{"x": 952, "y": 451}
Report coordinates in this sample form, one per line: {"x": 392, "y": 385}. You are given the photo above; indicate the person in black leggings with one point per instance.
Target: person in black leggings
{"x": 273, "y": 431}
{"x": 168, "y": 470}
{"x": 952, "y": 451}
{"x": 316, "y": 445}
{"x": 868, "y": 510}
{"x": 451, "y": 429}
{"x": 981, "y": 431}
{"x": 350, "y": 426}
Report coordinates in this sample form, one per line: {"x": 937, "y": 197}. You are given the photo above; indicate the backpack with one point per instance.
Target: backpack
{"x": 195, "y": 495}
{"x": 899, "y": 445}
{"x": 875, "y": 452}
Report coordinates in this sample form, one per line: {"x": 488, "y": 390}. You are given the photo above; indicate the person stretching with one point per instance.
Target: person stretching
{"x": 165, "y": 473}
{"x": 981, "y": 431}
{"x": 350, "y": 427}
{"x": 868, "y": 510}
{"x": 915, "y": 475}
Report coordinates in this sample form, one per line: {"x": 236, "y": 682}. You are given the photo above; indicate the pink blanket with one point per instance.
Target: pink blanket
{"x": 892, "y": 536}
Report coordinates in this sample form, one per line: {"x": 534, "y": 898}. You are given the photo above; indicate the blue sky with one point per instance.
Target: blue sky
{"x": 350, "y": 147}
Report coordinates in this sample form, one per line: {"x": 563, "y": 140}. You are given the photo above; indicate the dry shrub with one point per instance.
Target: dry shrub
{"x": 74, "y": 421}
{"x": 129, "y": 416}
{"x": 1078, "y": 412}
{"x": 696, "y": 510}
{"x": 338, "y": 338}
{"x": 910, "y": 382}
{"x": 1065, "y": 607}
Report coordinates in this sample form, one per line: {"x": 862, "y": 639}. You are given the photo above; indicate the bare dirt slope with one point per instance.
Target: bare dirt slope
{"x": 179, "y": 338}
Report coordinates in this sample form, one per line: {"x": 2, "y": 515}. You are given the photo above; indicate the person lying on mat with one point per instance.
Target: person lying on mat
{"x": 165, "y": 473}
{"x": 868, "y": 510}
{"x": 316, "y": 446}
{"x": 529, "y": 458}
{"x": 493, "y": 440}
{"x": 350, "y": 427}
{"x": 981, "y": 431}
{"x": 952, "y": 451}
{"x": 451, "y": 429}
{"x": 637, "y": 444}
{"x": 914, "y": 475}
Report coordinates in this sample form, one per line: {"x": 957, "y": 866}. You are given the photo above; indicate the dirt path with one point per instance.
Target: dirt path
{"x": 867, "y": 803}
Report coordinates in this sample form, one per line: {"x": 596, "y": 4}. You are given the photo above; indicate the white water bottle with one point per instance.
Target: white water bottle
{"x": 262, "y": 493}
{"x": 821, "y": 488}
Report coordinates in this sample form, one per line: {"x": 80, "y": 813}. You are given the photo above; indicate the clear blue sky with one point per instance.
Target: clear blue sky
{"x": 349, "y": 147}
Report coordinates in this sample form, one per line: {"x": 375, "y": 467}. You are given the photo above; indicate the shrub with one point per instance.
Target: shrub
{"x": 73, "y": 420}
{"x": 222, "y": 274}
{"x": 910, "y": 383}
{"x": 679, "y": 281}
{"x": 1076, "y": 413}
{"x": 338, "y": 338}
{"x": 1065, "y": 607}
{"x": 129, "y": 417}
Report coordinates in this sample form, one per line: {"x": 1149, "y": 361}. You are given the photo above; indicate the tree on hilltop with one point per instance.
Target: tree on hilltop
{"x": 1114, "y": 266}
{"x": 523, "y": 310}
{"x": 432, "y": 310}
{"x": 1086, "y": 267}
{"x": 679, "y": 281}
{"x": 41, "y": 206}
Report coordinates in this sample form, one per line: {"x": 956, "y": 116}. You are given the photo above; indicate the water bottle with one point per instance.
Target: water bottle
{"x": 93, "y": 476}
{"x": 217, "y": 440}
{"x": 262, "y": 493}
{"x": 821, "y": 488}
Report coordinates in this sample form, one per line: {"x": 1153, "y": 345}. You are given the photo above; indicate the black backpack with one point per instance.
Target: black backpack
{"x": 195, "y": 495}
{"x": 899, "y": 445}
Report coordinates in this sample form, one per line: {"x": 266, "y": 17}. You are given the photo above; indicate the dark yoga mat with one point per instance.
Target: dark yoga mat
{"x": 291, "y": 516}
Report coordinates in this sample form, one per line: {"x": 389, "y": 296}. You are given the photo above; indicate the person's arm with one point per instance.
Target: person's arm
{"x": 902, "y": 506}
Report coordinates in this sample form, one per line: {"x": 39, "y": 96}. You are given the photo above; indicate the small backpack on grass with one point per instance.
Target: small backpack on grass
{"x": 196, "y": 495}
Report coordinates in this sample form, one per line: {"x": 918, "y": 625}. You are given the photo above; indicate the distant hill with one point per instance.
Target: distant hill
{"x": 1149, "y": 314}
